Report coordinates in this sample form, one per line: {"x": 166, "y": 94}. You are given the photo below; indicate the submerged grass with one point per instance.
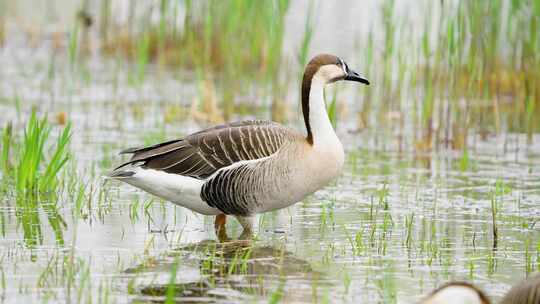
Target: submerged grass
{"x": 453, "y": 83}
{"x": 458, "y": 70}
{"x": 206, "y": 41}
{"x": 34, "y": 173}
{"x": 474, "y": 66}
{"x": 309, "y": 28}
{"x": 6, "y": 147}
{"x": 34, "y": 176}
{"x": 2, "y": 22}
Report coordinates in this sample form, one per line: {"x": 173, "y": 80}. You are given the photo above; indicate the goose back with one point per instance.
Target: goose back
{"x": 202, "y": 154}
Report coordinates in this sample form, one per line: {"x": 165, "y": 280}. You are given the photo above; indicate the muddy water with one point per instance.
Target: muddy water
{"x": 395, "y": 225}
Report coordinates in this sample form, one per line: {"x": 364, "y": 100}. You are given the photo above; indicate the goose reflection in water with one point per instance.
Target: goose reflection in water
{"x": 233, "y": 271}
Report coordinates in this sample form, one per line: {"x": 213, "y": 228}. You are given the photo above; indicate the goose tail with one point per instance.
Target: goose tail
{"x": 120, "y": 174}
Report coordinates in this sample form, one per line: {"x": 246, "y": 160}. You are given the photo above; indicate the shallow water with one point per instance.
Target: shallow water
{"x": 349, "y": 242}
{"x": 395, "y": 225}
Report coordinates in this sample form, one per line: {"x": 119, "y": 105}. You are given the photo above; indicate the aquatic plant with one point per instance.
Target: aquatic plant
{"x": 469, "y": 71}
{"x": 309, "y": 27}
{"x": 2, "y": 23}
{"x": 465, "y": 70}
{"x": 73, "y": 49}
{"x": 171, "y": 290}
{"x": 35, "y": 175}
{"x": 6, "y": 147}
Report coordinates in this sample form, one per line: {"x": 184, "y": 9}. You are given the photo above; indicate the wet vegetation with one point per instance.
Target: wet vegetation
{"x": 442, "y": 178}
{"x": 34, "y": 176}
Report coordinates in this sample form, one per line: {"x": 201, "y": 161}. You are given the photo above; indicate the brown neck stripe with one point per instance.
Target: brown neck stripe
{"x": 312, "y": 68}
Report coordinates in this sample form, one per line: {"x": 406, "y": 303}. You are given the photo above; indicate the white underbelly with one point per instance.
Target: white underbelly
{"x": 285, "y": 186}
{"x": 181, "y": 190}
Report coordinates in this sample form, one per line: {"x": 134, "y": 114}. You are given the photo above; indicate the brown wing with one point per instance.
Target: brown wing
{"x": 201, "y": 154}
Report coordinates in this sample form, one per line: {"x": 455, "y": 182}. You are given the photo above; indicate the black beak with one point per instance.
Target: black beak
{"x": 353, "y": 76}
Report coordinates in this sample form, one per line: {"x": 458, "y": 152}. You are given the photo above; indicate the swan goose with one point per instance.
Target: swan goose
{"x": 456, "y": 293}
{"x": 248, "y": 167}
{"x": 523, "y": 292}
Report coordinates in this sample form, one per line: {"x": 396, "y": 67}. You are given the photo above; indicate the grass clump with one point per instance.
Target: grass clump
{"x": 6, "y": 145}
{"x": 209, "y": 38}
{"x": 31, "y": 167}
{"x": 2, "y": 23}
{"x": 212, "y": 35}
{"x": 474, "y": 66}
{"x": 35, "y": 173}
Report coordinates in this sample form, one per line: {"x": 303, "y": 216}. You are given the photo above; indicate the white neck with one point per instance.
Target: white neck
{"x": 321, "y": 127}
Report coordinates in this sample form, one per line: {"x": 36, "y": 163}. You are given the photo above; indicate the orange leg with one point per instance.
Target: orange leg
{"x": 219, "y": 225}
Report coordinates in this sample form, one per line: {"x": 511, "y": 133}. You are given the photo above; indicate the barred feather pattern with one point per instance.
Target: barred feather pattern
{"x": 243, "y": 189}
{"x": 201, "y": 154}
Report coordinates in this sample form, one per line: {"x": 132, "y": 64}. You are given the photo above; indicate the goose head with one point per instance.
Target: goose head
{"x": 328, "y": 68}
{"x": 456, "y": 293}
{"x": 320, "y": 71}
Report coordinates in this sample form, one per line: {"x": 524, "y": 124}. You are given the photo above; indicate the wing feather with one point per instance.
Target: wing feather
{"x": 203, "y": 153}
